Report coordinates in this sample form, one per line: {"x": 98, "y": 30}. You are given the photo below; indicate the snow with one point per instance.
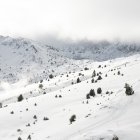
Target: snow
{"x": 104, "y": 116}
{"x": 96, "y": 50}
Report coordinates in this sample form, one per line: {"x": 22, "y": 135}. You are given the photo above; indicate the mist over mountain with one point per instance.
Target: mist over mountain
{"x": 23, "y": 58}
{"x": 92, "y": 49}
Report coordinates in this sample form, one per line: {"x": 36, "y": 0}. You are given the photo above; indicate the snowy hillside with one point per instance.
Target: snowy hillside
{"x": 96, "y": 50}
{"x": 26, "y": 59}
{"x": 62, "y": 108}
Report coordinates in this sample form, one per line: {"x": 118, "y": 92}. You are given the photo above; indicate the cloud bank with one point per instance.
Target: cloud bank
{"x": 92, "y": 19}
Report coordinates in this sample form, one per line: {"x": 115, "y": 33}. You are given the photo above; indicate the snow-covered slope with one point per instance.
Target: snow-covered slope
{"x": 99, "y": 118}
{"x": 96, "y": 50}
{"x": 26, "y": 59}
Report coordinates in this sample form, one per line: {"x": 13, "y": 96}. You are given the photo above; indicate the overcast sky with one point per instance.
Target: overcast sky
{"x": 93, "y": 19}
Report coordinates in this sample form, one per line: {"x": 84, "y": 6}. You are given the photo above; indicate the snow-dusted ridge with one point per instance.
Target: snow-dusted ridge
{"x": 27, "y": 59}
{"x": 96, "y": 50}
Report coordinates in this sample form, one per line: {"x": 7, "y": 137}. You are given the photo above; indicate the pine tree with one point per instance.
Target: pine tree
{"x": 88, "y": 96}
{"x": 20, "y": 98}
{"x": 19, "y": 138}
{"x": 94, "y": 73}
{"x": 72, "y": 119}
{"x": 51, "y": 76}
{"x": 99, "y": 77}
{"x": 92, "y": 92}
{"x": 92, "y": 81}
{"x": 40, "y": 86}
{"x": 99, "y": 90}
{"x": 78, "y": 80}
{"x": 128, "y": 90}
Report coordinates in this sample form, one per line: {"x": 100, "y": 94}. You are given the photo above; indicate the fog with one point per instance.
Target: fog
{"x": 75, "y": 19}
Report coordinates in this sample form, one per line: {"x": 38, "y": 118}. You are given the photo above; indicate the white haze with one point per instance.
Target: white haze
{"x": 76, "y": 19}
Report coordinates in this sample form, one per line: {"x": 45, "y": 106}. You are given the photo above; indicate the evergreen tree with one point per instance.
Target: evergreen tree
{"x": 20, "y": 98}
{"x": 78, "y": 80}
{"x": 87, "y": 96}
{"x": 92, "y": 92}
{"x": 72, "y": 119}
{"x": 99, "y": 77}
{"x": 92, "y": 81}
{"x": 128, "y": 90}
{"x": 99, "y": 90}
{"x": 94, "y": 73}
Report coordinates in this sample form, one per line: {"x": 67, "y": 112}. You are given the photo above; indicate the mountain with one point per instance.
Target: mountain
{"x": 95, "y": 50}
{"x": 27, "y": 59}
{"x": 47, "y": 95}
{"x": 104, "y": 116}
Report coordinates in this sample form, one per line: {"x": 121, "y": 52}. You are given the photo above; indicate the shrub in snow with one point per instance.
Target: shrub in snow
{"x": 20, "y": 98}
{"x": 40, "y": 86}
{"x": 0, "y": 105}
{"x": 78, "y": 80}
{"x": 28, "y": 124}
{"x": 72, "y": 83}
{"x": 86, "y": 68}
{"x": 99, "y": 77}
{"x": 100, "y": 73}
{"x": 45, "y": 118}
{"x": 119, "y": 73}
{"x": 115, "y": 138}
{"x": 60, "y": 96}
{"x": 12, "y": 112}
{"x": 35, "y": 117}
{"x": 51, "y": 76}
{"x": 29, "y": 137}
{"x": 87, "y": 96}
{"x": 92, "y": 81}
{"x": 99, "y": 90}
{"x": 19, "y": 138}
{"x": 18, "y": 130}
{"x": 107, "y": 92}
{"x": 92, "y": 92}
{"x": 128, "y": 90}
{"x": 80, "y": 74}
{"x": 72, "y": 119}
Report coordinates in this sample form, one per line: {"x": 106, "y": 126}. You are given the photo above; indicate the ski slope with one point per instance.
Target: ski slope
{"x": 98, "y": 118}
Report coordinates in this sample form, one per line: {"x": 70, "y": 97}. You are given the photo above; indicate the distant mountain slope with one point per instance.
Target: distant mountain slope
{"x": 96, "y": 50}
{"x": 21, "y": 58}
